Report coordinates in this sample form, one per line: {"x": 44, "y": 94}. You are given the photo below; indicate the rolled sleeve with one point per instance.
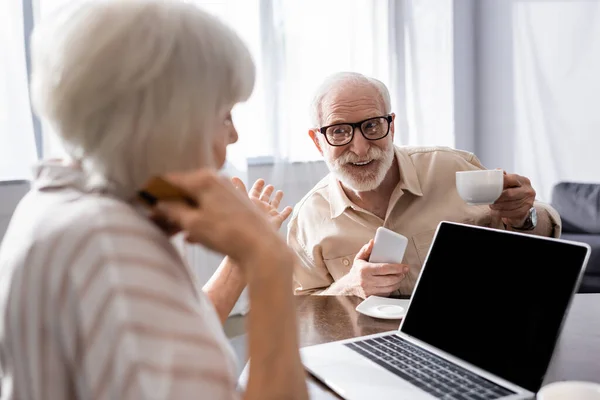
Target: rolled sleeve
{"x": 310, "y": 272}
{"x": 549, "y": 223}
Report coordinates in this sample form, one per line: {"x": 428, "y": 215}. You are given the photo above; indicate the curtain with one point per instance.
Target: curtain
{"x": 17, "y": 139}
{"x": 407, "y": 44}
{"x": 557, "y": 91}
{"x": 296, "y": 44}
{"x": 429, "y": 73}
{"x": 314, "y": 39}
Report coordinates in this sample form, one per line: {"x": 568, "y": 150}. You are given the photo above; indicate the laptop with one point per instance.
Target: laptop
{"x": 482, "y": 323}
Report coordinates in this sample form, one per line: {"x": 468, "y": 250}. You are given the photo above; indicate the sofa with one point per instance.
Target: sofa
{"x": 579, "y": 207}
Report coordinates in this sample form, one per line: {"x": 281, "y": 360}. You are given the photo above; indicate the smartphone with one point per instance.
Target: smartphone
{"x": 159, "y": 189}
{"x": 389, "y": 247}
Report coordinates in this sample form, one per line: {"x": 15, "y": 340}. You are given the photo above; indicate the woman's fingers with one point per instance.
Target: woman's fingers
{"x": 176, "y": 211}
{"x": 193, "y": 183}
{"x": 168, "y": 226}
{"x": 238, "y": 184}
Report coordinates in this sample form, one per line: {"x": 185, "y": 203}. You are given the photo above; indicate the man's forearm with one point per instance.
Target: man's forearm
{"x": 225, "y": 287}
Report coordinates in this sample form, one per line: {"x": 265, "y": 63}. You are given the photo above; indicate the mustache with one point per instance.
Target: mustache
{"x": 374, "y": 153}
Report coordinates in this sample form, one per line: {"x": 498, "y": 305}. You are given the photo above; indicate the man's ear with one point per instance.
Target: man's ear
{"x": 314, "y": 135}
{"x": 393, "y": 125}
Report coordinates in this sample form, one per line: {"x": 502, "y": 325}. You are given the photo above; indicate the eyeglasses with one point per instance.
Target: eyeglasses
{"x": 372, "y": 129}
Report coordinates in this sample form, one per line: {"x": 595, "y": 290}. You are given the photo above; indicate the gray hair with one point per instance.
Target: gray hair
{"x": 133, "y": 88}
{"x": 346, "y": 79}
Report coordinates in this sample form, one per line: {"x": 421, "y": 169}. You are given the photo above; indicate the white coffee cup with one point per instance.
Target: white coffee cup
{"x": 480, "y": 187}
{"x": 570, "y": 390}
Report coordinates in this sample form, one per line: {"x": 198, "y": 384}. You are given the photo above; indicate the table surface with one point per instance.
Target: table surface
{"x": 325, "y": 319}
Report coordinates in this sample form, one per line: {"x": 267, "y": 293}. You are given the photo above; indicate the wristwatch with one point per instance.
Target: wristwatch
{"x": 530, "y": 223}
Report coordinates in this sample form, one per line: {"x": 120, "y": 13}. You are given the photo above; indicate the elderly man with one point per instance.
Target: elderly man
{"x": 373, "y": 183}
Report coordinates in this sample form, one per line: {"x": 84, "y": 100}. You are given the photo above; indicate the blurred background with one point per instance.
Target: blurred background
{"x": 517, "y": 82}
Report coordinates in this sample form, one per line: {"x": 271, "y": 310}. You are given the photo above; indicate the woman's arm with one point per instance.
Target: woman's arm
{"x": 228, "y": 223}
{"x": 276, "y": 370}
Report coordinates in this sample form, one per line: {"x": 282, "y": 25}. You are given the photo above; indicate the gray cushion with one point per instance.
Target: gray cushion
{"x": 590, "y": 284}
{"x": 593, "y": 266}
{"x": 578, "y": 205}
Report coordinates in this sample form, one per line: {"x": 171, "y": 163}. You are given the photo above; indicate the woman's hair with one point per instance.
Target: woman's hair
{"x": 133, "y": 88}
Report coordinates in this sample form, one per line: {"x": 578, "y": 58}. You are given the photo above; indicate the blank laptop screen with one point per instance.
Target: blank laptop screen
{"x": 495, "y": 299}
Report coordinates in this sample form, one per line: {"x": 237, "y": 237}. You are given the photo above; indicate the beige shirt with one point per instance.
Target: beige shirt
{"x": 95, "y": 303}
{"x": 327, "y": 230}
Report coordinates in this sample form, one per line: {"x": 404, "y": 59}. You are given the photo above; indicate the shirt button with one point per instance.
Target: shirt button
{"x": 346, "y": 262}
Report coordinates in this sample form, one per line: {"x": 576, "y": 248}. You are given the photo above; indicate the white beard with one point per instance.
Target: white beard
{"x": 365, "y": 178}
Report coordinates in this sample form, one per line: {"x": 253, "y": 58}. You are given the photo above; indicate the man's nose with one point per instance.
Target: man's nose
{"x": 359, "y": 145}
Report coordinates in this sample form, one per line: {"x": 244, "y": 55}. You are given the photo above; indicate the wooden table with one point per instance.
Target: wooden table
{"x": 324, "y": 319}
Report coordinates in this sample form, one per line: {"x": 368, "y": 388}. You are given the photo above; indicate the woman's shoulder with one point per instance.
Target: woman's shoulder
{"x": 75, "y": 237}
{"x": 67, "y": 221}
{"x": 82, "y": 212}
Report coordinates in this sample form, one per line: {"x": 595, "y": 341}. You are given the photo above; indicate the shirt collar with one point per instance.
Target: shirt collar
{"x": 52, "y": 174}
{"x": 339, "y": 202}
{"x": 56, "y": 174}
{"x": 409, "y": 179}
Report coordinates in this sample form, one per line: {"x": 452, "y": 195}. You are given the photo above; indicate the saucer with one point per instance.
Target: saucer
{"x": 383, "y": 307}
{"x": 562, "y": 390}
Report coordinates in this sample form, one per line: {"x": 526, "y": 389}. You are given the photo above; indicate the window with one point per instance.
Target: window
{"x": 296, "y": 44}
{"x": 17, "y": 140}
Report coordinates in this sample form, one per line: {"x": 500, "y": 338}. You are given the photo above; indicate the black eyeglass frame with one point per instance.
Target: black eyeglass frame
{"x": 354, "y": 125}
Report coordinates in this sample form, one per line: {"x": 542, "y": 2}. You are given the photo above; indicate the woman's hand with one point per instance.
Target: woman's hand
{"x": 260, "y": 195}
{"x": 225, "y": 220}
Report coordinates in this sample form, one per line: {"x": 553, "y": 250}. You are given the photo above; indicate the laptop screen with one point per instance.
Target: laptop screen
{"x": 495, "y": 299}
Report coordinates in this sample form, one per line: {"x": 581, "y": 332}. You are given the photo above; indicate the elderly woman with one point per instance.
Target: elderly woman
{"x": 95, "y": 300}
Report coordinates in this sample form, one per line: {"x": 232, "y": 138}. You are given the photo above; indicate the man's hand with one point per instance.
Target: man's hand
{"x": 516, "y": 200}
{"x": 366, "y": 279}
{"x": 226, "y": 220}
{"x": 260, "y": 195}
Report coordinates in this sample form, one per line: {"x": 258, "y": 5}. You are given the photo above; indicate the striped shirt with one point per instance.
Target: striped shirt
{"x": 96, "y": 303}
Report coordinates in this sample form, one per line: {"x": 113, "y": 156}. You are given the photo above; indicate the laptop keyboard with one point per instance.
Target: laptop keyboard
{"x": 426, "y": 370}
